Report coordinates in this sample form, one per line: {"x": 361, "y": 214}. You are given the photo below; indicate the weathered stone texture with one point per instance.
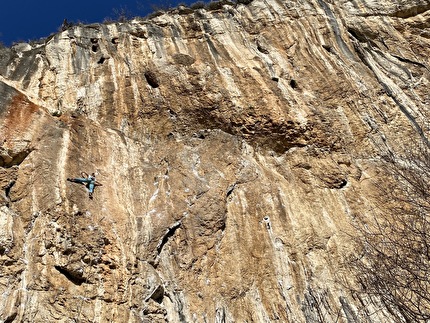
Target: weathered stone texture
{"x": 235, "y": 149}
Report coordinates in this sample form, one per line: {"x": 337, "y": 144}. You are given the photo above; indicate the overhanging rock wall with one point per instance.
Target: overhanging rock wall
{"x": 236, "y": 148}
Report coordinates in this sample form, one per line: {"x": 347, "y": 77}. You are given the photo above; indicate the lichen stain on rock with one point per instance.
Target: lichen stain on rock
{"x": 235, "y": 148}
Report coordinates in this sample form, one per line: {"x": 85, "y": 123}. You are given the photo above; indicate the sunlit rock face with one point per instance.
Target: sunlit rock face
{"x": 236, "y": 148}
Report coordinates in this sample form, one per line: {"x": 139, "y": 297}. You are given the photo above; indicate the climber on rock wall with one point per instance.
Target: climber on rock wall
{"x": 88, "y": 180}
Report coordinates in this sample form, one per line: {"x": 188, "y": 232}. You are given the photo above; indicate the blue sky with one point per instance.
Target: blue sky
{"x": 24, "y": 20}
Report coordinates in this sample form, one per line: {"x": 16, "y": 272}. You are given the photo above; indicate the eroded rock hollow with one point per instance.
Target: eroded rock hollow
{"x": 235, "y": 147}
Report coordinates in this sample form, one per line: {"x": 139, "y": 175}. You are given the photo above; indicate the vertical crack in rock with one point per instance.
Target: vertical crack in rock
{"x": 169, "y": 233}
{"x": 212, "y": 48}
{"x": 230, "y": 189}
{"x": 220, "y": 316}
{"x": 182, "y": 317}
{"x": 8, "y": 187}
{"x": 337, "y": 33}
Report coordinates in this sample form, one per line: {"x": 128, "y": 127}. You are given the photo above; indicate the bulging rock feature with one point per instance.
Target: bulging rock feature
{"x": 236, "y": 146}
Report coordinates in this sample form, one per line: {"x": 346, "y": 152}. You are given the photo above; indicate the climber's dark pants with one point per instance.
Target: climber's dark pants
{"x": 89, "y": 183}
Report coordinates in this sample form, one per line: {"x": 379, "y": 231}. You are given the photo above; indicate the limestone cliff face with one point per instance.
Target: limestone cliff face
{"x": 235, "y": 149}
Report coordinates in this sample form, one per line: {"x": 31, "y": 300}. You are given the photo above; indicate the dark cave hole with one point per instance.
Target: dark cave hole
{"x": 342, "y": 183}
{"x": 262, "y": 49}
{"x": 327, "y": 48}
{"x": 293, "y": 84}
{"x": 158, "y": 294}
{"x": 77, "y": 280}
{"x": 151, "y": 79}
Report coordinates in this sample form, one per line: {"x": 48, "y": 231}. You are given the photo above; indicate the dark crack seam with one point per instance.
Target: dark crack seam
{"x": 169, "y": 233}
{"x": 333, "y": 22}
